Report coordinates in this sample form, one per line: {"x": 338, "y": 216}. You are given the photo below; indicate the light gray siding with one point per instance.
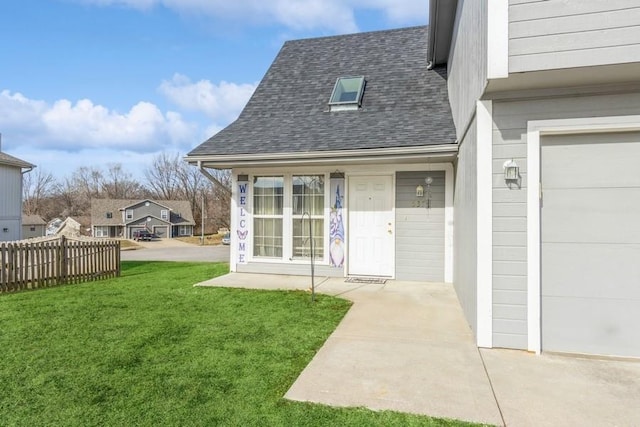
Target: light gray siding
{"x": 509, "y": 204}
{"x": 10, "y": 203}
{"x": 420, "y": 227}
{"x": 465, "y": 227}
{"x": 556, "y": 34}
{"x": 467, "y": 66}
{"x": 591, "y": 244}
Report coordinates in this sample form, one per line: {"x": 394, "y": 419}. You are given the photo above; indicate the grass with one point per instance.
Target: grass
{"x": 150, "y": 349}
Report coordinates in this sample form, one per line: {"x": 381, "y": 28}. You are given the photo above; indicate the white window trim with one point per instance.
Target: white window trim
{"x": 164, "y": 214}
{"x": 287, "y": 220}
{"x": 185, "y": 228}
{"x": 536, "y": 129}
{"x": 128, "y": 214}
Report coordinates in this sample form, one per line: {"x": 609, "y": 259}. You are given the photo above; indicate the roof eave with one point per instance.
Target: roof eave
{"x": 327, "y": 158}
{"x": 442, "y": 15}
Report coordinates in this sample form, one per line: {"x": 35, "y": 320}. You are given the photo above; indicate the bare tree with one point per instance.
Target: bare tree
{"x": 37, "y": 186}
{"x": 163, "y": 176}
{"x": 119, "y": 184}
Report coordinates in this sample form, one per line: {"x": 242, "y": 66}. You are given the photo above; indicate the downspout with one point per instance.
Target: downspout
{"x": 212, "y": 178}
{"x": 431, "y": 48}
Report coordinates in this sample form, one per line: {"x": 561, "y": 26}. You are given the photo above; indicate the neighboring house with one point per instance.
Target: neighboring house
{"x": 69, "y": 228}
{"x": 33, "y": 226}
{"x": 122, "y": 218}
{"x": 532, "y": 109}
{"x": 548, "y": 260}
{"x": 11, "y": 170}
{"x": 342, "y": 132}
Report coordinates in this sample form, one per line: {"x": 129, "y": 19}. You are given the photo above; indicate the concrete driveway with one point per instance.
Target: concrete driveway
{"x": 405, "y": 346}
{"x": 175, "y": 250}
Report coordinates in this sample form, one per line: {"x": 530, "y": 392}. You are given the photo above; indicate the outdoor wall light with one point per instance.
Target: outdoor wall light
{"x": 419, "y": 191}
{"x": 511, "y": 170}
{"x": 6, "y": 230}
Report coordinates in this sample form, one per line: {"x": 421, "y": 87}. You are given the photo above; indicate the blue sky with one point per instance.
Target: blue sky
{"x": 92, "y": 82}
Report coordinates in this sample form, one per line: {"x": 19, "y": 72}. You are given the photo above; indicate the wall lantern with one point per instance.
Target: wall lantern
{"x": 5, "y": 229}
{"x": 419, "y": 191}
{"x": 511, "y": 170}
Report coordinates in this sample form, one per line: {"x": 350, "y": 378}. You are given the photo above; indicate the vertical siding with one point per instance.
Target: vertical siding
{"x": 420, "y": 230}
{"x": 467, "y": 67}
{"x": 10, "y": 203}
{"x": 510, "y": 207}
{"x": 555, "y": 34}
{"x": 465, "y": 229}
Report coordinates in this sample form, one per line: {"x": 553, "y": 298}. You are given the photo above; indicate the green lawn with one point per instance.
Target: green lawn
{"x": 150, "y": 349}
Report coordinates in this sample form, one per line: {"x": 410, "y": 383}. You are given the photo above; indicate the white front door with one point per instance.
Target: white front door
{"x": 371, "y": 227}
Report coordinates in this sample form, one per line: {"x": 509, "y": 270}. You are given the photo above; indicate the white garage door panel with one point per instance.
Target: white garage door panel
{"x": 609, "y": 271}
{"x": 566, "y": 162}
{"x": 590, "y": 223}
{"x": 602, "y": 215}
{"x": 591, "y": 325}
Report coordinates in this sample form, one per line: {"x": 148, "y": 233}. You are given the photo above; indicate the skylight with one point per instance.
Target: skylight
{"x": 347, "y": 93}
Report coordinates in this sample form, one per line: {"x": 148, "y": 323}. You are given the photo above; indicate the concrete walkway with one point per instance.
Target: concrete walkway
{"x": 405, "y": 346}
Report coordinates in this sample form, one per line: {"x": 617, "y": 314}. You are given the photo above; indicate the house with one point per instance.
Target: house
{"x": 494, "y": 149}
{"x": 33, "y": 226}
{"x": 118, "y": 218}
{"x": 11, "y": 170}
{"x": 545, "y": 98}
{"x": 350, "y": 137}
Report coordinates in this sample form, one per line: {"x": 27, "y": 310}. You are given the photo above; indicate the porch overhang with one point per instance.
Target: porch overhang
{"x": 442, "y": 152}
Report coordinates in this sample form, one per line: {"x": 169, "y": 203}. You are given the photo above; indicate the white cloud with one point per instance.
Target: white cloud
{"x": 333, "y": 15}
{"x": 69, "y": 126}
{"x": 220, "y": 102}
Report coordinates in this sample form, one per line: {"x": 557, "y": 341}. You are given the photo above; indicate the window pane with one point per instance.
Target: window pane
{"x": 308, "y": 194}
{"x": 301, "y": 240}
{"x": 267, "y": 240}
{"x": 268, "y": 194}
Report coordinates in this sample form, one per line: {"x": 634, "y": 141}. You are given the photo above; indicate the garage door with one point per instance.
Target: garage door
{"x": 591, "y": 244}
{"x": 161, "y": 231}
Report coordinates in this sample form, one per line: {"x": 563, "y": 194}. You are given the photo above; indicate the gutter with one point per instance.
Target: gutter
{"x": 433, "y": 25}
{"x": 359, "y": 156}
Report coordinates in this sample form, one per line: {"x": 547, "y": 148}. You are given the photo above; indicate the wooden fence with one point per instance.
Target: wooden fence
{"x": 39, "y": 263}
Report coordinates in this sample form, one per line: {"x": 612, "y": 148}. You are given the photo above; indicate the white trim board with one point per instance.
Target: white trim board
{"x": 484, "y": 224}
{"x": 497, "y": 39}
{"x": 536, "y": 129}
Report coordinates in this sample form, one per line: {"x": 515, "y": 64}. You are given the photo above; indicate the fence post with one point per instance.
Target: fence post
{"x": 62, "y": 259}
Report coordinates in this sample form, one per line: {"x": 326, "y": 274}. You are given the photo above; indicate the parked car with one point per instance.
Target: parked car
{"x": 226, "y": 239}
{"x": 144, "y": 235}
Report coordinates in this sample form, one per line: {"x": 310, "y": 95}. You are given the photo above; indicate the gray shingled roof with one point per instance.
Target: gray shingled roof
{"x": 99, "y": 207}
{"x": 404, "y": 104}
{"x": 33, "y": 220}
{"x": 6, "y": 159}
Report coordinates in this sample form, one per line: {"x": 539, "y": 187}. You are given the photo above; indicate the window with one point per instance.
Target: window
{"x": 164, "y": 214}
{"x": 129, "y": 214}
{"x": 184, "y": 230}
{"x": 32, "y": 228}
{"x": 101, "y": 231}
{"x": 308, "y": 209}
{"x": 109, "y": 215}
{"x": 268, "y": 197}
{"x": 347, "y": 93}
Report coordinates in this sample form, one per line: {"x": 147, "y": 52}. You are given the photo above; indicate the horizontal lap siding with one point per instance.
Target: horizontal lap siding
{"x": 465, "y": 230}
{"x": 420, "y": 230}
{"x": 510, "y": 205}
{"x": 559, "y": 34}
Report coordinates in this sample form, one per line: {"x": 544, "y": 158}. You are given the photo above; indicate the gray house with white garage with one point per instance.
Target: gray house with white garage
{"x": 122, "y": 218}
{"x": 494, "y": 149}
{"x": 545, "y": 97}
